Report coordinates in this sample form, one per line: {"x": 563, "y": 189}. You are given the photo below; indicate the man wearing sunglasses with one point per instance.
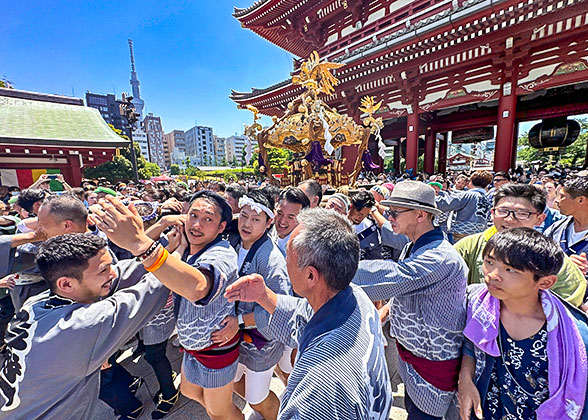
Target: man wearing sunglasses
{"x": 426, "y": 292}
{"x": 500, "y": 178}
{"x": 519, "y": 205}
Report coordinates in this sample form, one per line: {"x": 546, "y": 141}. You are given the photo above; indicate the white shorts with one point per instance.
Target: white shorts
{"x": 285, "y": 362}
{"x": 257, "y": 384}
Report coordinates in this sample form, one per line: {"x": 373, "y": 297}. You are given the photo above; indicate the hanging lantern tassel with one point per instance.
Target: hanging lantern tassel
{"x": 328, "y": 137}
{"x": 368, "y": 163}
{"x": 261, "y": 163}
{"x": 316, "y": 155}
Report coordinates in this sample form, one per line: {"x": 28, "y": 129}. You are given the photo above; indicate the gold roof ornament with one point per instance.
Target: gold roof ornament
{"x": 316, "y": 76}
{"x": 309, "y": 119}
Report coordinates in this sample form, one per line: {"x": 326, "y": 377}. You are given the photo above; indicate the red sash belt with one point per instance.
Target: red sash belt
{"x": 442, "y": 374}
{"x": 214, "y": 357}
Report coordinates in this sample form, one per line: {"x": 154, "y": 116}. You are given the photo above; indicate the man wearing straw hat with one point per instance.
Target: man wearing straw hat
{"x": 426, "y": 292}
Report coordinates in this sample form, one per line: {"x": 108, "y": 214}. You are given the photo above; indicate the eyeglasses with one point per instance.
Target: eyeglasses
{"x": 517, "y": 214}
{"x": 500, "y": 179}
{"x": 393, "y": 214}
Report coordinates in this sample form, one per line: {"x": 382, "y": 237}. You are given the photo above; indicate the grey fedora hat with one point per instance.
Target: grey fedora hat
{"x": 413, "y": 195}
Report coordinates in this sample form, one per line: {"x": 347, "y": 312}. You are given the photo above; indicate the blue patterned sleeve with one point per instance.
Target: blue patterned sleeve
{"x": 468, "y": 348}
{"x": 287, "y": 322}
{"x": 383, "y": 279}
{"x": 451, "y": 201}
{"x": 219, "y": 279}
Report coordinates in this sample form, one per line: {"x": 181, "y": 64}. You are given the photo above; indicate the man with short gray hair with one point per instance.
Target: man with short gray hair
{"x": 340, "y": 367}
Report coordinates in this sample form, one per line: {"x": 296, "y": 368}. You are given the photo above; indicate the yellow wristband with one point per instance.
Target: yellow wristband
{"x": 159, "y": 262}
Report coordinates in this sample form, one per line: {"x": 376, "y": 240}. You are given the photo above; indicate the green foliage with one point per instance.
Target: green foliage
{"x": 119, "y": 169}
{"x": 2, "y": 84}
{"x": 278, "y": 160}
{"x": 420, "y": 164}
{"x": 229, "y": 177}
{"x": 193, "y": 171}
{"x": 174, "y": 169}
{"x": 573, "y": 155}
{"x": 149, "y": 170}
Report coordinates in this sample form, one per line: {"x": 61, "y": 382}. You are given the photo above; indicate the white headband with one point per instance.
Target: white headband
{"x": 257, "y": 207}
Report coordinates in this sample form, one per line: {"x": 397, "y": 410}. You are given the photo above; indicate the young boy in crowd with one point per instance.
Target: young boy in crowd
{"x": 525, "y": 353}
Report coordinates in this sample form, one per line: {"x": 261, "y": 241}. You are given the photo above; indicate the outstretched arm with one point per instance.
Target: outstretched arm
{"x": 252, "y": 288}
{"x": 283, "y": 317}
{"x": 124, "y": 227}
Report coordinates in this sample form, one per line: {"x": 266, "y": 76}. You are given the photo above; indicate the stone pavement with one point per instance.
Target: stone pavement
{"x": 187, "y": 409}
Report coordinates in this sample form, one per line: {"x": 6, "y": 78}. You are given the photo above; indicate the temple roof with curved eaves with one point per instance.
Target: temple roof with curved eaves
{"x": 242, "y": 12}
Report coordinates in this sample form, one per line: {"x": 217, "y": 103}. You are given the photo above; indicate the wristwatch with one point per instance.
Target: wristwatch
{"x": 240, "y": 321}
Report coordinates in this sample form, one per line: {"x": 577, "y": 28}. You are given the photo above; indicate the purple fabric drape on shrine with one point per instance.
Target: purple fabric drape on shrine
{"x": 368, "y": 163}
{"x": 260, "y": 160}
{"x": 315, "y": 156}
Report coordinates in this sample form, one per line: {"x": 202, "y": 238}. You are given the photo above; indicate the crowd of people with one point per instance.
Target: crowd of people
{"x": 469, "y": 289}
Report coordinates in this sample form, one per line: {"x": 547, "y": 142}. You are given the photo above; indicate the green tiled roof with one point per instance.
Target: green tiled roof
{"x": 25, "y": 121}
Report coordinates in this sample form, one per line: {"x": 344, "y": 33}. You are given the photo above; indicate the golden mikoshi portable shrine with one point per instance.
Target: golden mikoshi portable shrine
{"x": 312, "y": 130}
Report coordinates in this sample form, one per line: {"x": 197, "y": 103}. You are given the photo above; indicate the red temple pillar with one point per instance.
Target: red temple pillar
{"x": 442, "y": 162}
{"x": 412, "y": 136}
{"x": 430, "y": 143}
{"x": 505, "y": 134}
{"x": 75, "y": 178}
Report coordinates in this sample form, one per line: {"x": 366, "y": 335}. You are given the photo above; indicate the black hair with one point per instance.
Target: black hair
{"x": 362, "y": 199}
{"x": 29, "y": 197}
{"x": 577, "y": 187}
{"x": 218, "y": 201}
{"x": 272, "y": 192}
{"x": 79, "y": 192}
{"x": 236, "y": 191}
{"x": 219, "y": 184}
{"x": 294, "y": 195}
{"x": 314, "y": 188}
{"x": 67, "y": 207}
{"x": 67, "y": 256}
{"x": 536, "y": 196}
{"x": 260, "y": 196}
{"x": 525, "y": 249}
{"x": 503, "y": 174}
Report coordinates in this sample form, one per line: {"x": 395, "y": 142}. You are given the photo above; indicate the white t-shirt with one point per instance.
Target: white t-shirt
{"x": 282, "y": 242}
{"x": 574, "y": 236}
{"x": 241, "y": 257}
{"x": 363, "y": 225}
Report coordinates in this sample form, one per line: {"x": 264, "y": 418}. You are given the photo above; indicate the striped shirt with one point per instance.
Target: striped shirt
{"x": 426, "y": 289}
{"x": 340, "y": 370}
{"x": 198, "y": 320}
{"x": 269, "y": 262}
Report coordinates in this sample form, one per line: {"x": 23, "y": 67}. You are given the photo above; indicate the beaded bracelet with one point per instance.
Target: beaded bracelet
{"x": 159, "y": 262}
{"x": 145, "y": 255}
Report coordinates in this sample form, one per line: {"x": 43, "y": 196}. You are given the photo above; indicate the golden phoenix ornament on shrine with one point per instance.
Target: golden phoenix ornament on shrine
{"x": 309, "y": 119}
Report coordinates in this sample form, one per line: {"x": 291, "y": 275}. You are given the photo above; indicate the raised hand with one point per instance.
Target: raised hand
{"x": 249, "y": 288}
{"x": 580, "y": 261}
{"x": 123, "y": 225}
{"x": 177, "y": 240}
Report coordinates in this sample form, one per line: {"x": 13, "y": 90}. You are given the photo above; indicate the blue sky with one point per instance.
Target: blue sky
{"x": 189, "y": 55}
